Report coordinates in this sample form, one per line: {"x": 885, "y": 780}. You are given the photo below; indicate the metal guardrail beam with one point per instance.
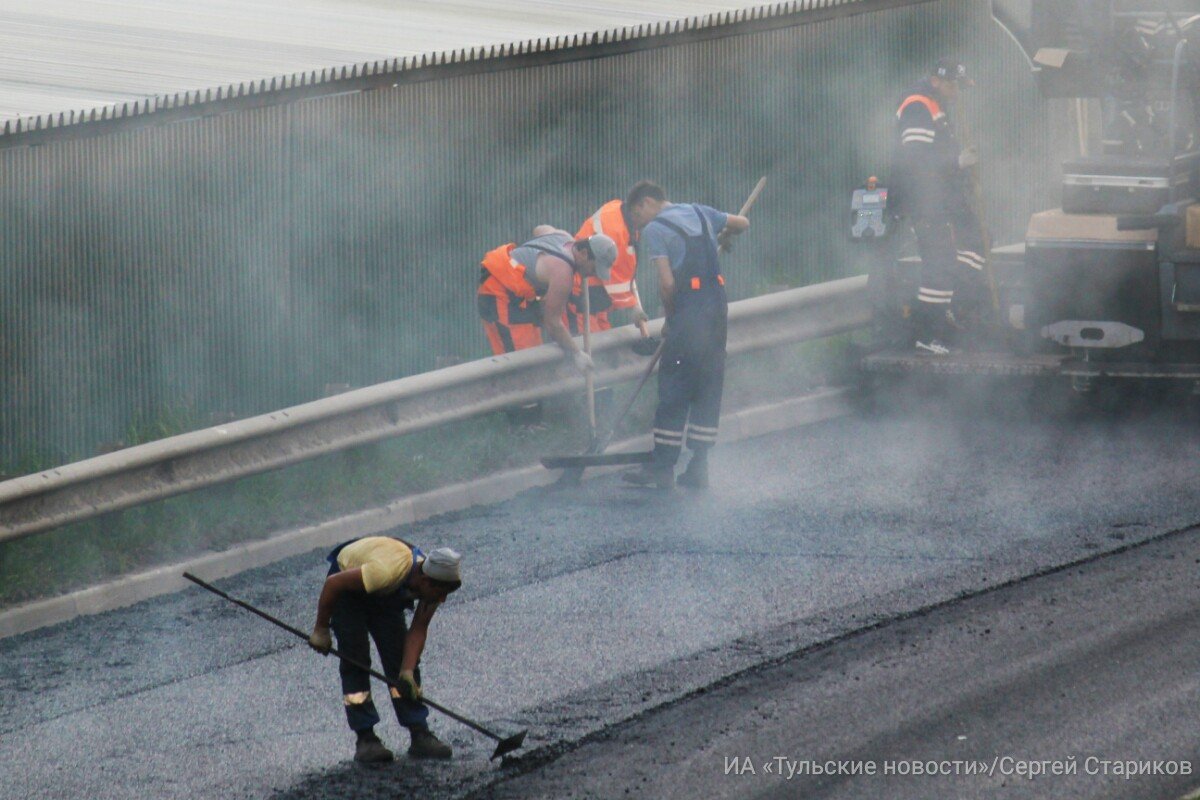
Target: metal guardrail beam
{"x": 167, "y": 467}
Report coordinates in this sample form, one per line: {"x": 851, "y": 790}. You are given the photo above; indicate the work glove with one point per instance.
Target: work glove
{"x": 582, "y": 361}
{"x": 320, "y": 640}
{"x": 969, "y": 157}
{"x": 406, "y": 684}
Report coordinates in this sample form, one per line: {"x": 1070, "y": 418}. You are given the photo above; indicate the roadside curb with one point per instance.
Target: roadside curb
{"x": 748, "y": 423}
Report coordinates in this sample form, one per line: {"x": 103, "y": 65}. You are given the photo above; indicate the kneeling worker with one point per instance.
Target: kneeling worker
{"x": 524, "y": 289}
{"x": 372, "y": 581}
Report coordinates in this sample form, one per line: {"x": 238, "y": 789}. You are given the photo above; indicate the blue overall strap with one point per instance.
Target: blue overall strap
{"x": 403, "y": 587}
{"x": 332, "y": 558}
{"x": 704, "y": 239}
{"x": 416, "y": 551}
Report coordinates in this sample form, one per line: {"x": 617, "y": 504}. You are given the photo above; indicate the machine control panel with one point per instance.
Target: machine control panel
{"x": 868, "y": 209}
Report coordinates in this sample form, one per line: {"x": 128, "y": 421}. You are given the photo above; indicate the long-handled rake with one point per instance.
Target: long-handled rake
{"x": 503, "y": 744}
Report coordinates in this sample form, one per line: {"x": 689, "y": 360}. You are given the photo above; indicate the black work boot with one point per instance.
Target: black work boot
{"x": 426, "y": 745}
{"x": 696, "y": 474}
{"x": 369, "y": 749}
{"x": 659, "y": 477}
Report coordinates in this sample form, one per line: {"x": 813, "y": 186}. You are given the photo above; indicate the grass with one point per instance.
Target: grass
{"x": 220, "y": 517}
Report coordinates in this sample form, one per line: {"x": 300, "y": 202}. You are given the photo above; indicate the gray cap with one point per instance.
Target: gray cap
{"x": 442, "y": 565}
{"x": 604, "y": 251}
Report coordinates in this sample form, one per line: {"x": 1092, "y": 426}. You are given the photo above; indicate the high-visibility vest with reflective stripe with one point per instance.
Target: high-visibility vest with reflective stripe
{"x": 505, "y": 275}
{"x": 610, "y": 221}
{"x": 935, "y": 111}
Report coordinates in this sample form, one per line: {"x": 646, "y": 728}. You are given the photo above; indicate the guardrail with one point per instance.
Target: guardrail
{"x": 167, "y": 467}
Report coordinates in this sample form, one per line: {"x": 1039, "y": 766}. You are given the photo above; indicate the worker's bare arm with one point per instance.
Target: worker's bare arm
{"x": 666, "y": 283}
{"x": 414, "y": 640}
{"x": 337, "y": 584}
{"x": 558, "y": 275}
{"x": 736, "y": 224}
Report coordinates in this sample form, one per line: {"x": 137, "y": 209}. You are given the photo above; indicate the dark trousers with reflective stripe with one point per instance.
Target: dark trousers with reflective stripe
{"x": 691, "y": 379}
{"x": 935, "y": 243}
{"x": 971, "y": 293}
{"x": 357, "y": 619}
{"x": 952, "y": 262}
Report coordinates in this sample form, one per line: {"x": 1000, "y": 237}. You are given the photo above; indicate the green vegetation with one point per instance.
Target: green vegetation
{"x": 220, "y": 517}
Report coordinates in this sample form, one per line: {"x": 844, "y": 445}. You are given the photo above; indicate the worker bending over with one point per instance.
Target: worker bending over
{"x": 622, "y": 220}
{"x": 681, "y": 242}
{"x": 523, "y": 289}
{"x": 372, "y": 581}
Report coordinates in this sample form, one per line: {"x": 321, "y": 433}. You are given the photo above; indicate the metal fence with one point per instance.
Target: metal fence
{"x": 220, "y": 267}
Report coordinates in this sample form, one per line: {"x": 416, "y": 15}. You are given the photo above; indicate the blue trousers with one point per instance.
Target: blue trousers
{"x": 691, "y": 380}
{"x": 357, "y": 620}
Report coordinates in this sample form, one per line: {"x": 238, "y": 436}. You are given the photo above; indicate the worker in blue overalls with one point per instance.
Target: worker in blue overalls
{"x": 682, "y": 242}
{"x": 371, "y": 583}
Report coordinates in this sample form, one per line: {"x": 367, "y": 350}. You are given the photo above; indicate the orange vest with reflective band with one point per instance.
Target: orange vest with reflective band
{"x": 935, "y": 110}
{"x": 505, "y": 275}
{"x": 610, "y": 221}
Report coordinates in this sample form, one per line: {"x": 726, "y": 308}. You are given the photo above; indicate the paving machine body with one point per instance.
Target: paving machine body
{"x": 1108, "y": 284}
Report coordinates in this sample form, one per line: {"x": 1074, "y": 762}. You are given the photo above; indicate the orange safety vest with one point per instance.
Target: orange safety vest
{"x": 504, "y": 275}
{"x": 935, "y": 111}
{"x": 610, "y": 221}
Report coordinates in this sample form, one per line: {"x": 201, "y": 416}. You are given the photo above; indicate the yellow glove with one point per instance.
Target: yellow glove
{"x": 408, "y": 686}
{"x": 320, "y": 640}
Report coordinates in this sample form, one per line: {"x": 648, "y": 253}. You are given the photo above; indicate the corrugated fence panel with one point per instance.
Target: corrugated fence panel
{"x": 169, "y": 277}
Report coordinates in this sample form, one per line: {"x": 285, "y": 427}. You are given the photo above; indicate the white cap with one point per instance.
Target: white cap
{"x": 442, "y": 565}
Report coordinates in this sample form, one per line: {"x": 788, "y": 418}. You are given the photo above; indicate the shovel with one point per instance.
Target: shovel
{"x": 590, "y": 378}
{"x": 503, "y": 744}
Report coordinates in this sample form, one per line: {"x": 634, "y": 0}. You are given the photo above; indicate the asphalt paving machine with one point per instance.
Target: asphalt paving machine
{"x": 1107, "y": 286}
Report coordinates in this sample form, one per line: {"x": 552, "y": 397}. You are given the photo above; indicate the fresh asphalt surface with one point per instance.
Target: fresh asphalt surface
{"x": 597, "y": 618}
{"x": 1049, "y": 688}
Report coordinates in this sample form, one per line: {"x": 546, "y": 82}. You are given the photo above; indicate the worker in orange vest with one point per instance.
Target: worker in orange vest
{"x": 523, "y": 289}
{"x": 622, "y": 221}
